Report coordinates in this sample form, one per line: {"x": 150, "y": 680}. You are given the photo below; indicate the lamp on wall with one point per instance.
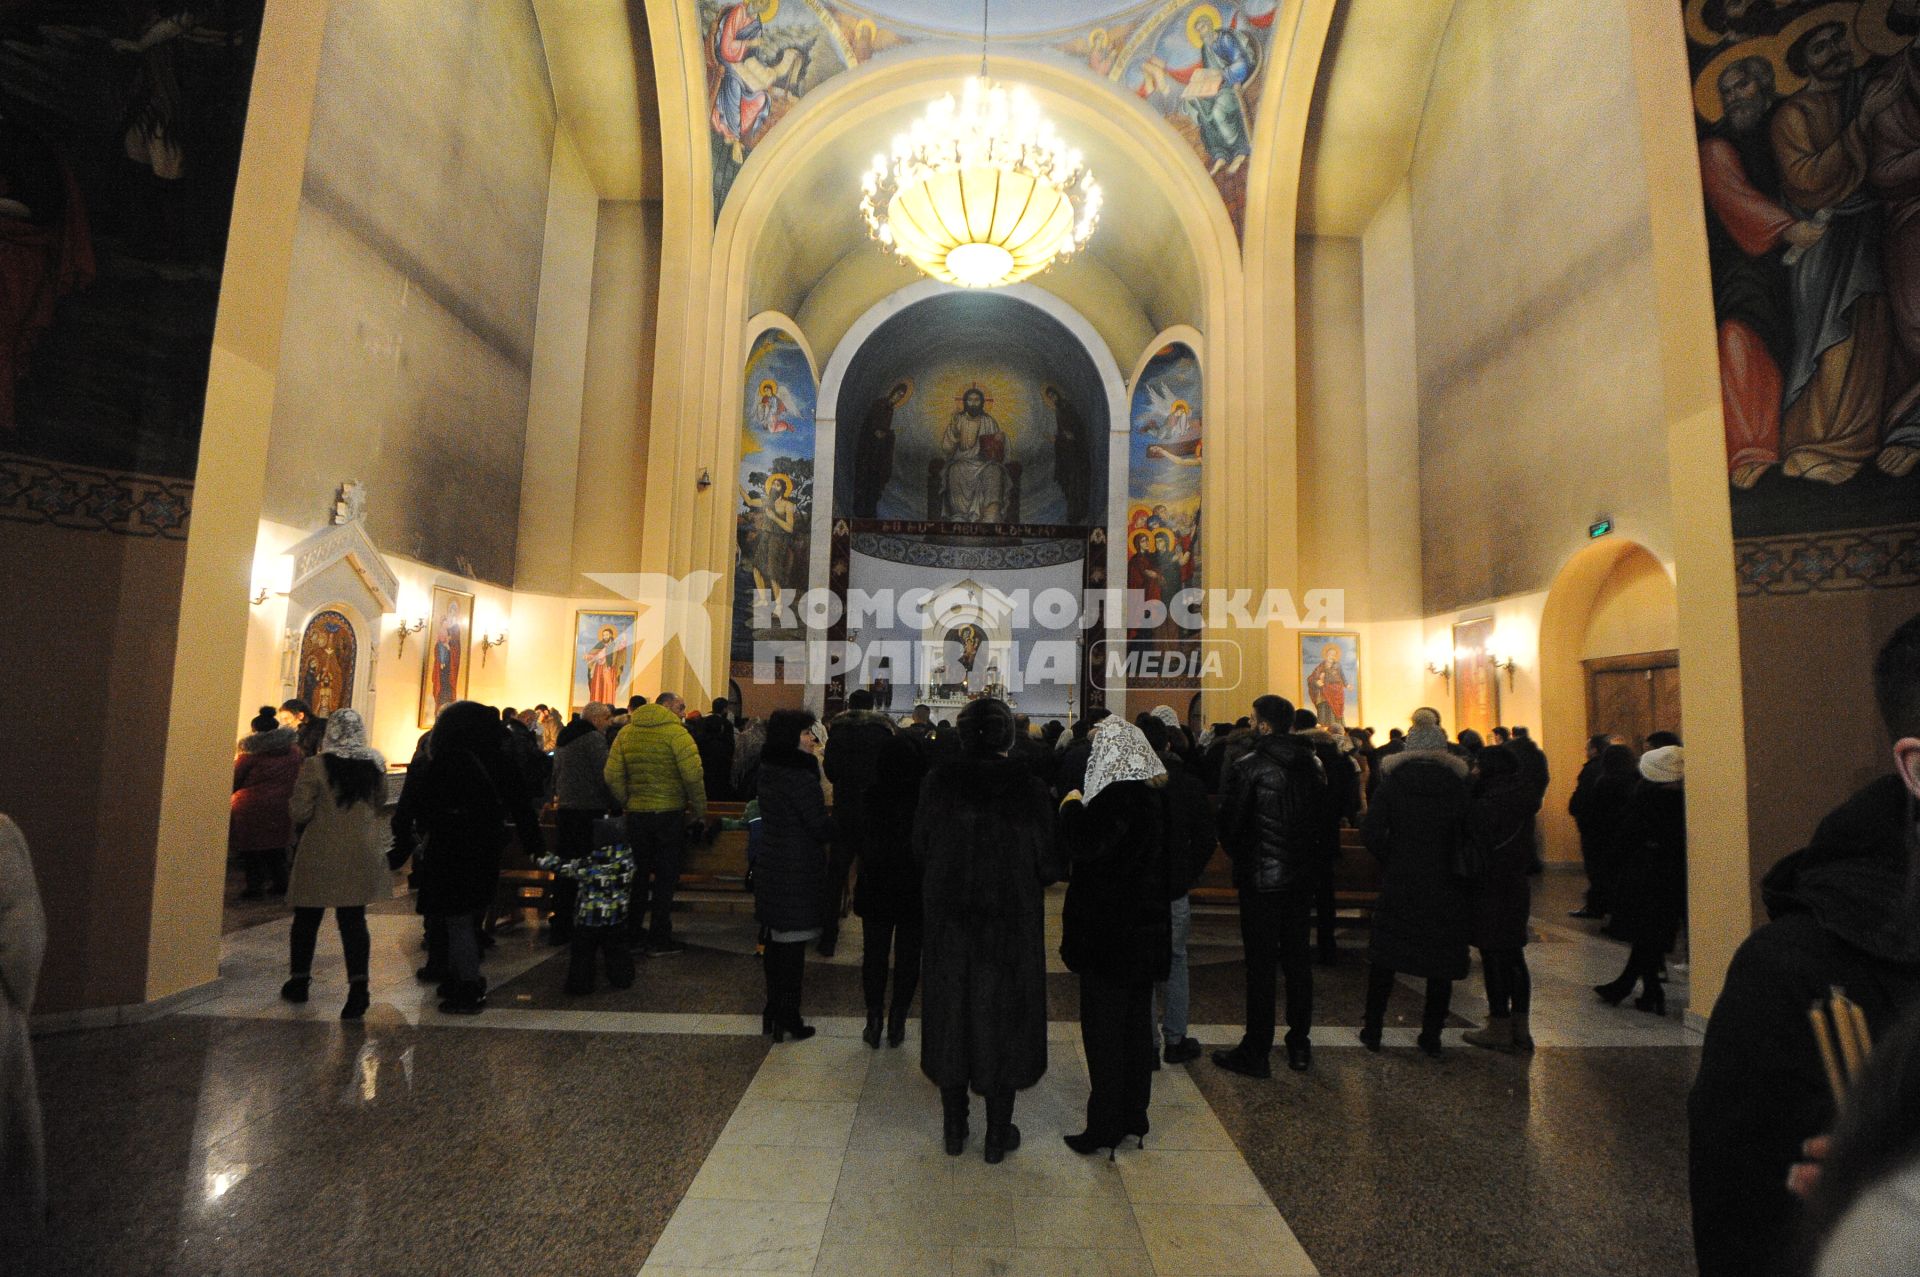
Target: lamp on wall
{"x": 408, "y": 627}
{"x": 490, "y": 641}
{"x": 272, "y": 575}
{"x": 1502, "y": 661}
{"x": 704, "y": 480}
{"x": 1440, "y": 659}
{"x": 1441, "y": 670}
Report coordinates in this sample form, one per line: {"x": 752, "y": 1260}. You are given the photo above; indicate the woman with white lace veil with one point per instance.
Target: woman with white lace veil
{"x": 1118, "y": 935}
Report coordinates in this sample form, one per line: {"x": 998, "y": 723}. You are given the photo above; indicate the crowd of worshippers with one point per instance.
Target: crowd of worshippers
{"x": 951, "y": 833}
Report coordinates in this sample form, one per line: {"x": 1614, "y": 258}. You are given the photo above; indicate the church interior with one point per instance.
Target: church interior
{"x": 1504, "y": 360}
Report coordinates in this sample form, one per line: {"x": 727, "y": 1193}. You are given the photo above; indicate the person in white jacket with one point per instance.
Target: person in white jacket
{"x": 23, "y": 943}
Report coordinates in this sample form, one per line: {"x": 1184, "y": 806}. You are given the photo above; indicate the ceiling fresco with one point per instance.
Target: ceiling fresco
{"x": 1200, "y": 64}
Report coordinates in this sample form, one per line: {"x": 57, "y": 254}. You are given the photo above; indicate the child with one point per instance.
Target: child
{"x": 605, "y": 876}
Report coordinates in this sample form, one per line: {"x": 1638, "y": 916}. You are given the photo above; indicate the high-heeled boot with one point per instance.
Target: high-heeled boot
{"x": 1615, "y": 991}
{"x": 871, "y": 1034}
{"x": 897, "y": 1025}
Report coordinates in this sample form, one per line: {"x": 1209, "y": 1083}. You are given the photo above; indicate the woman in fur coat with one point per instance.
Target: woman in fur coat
{"x": 983, "y": 835}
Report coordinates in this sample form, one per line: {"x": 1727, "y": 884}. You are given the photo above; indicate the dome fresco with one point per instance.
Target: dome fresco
{"x": 1198, "y": 64}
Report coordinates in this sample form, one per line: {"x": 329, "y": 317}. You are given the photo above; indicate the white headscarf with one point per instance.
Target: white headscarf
{"x": 1167, "y": 715}
{"x": 346, "y": 737}
{"x": 1120, "y": 752}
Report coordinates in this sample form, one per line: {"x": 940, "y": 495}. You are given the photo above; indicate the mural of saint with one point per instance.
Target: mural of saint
{"x": 969, "y": 637}
{"x": 1327, "y": 687}
{"x": 873, "y": 453}
{"x": 1072, "y": 459}
{"x": 1212, "y": 95}
{"x": 606, "y": 663}
{"x": 758, "y": 63}
{"x": 770, "y": 412}
{"x": 976, "y": 484}
{"x": 1809, "y": 125}
{"x": 777, "y": 538}
{"x": 444, "y": 679}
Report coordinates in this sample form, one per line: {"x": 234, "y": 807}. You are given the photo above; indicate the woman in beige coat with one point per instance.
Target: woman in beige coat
{"x": 340, "y": 856}
{"x": 23, "y": 942}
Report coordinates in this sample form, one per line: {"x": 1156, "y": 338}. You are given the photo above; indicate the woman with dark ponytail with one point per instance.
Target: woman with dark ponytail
{"x": 338, "y": 861}
{"x": 983, "y": 835}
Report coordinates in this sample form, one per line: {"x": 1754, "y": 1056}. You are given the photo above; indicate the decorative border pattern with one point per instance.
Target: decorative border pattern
{"x": 895, "y": 549}
{"x": 1867, "y": 559}
{"x": 88, "y": 500}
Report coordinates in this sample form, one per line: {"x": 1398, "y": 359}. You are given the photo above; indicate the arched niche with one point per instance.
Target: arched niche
{"x": 1613, "y": 594}
{"x": 775, "y": 486}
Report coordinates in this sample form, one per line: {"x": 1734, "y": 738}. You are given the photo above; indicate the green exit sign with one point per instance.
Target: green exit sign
{"x": 1600, "y": 529}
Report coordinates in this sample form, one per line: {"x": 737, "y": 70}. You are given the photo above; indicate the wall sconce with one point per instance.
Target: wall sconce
{"x": 705, "y": 479}
{"x": 490, "y": 641}
{"x": 406, "y": 628}
{"x": 1503, "y": 661}
{"x": 1441, "y": 670}
{"x": 260, "y": 596}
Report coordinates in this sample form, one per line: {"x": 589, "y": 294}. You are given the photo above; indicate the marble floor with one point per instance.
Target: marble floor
{"x": 655, "y": 1131}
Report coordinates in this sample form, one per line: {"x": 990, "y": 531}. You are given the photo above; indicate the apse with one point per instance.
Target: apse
{"x": 928, "y": 357}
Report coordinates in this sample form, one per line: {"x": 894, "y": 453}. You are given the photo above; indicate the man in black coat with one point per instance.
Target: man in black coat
{"x": 1271, "y": 798}
{"x": 854, "y": 741}
{"x": 1340, "y": 801}
{"x": 1592, "y": 851}
{"x": 1842, "y": 915}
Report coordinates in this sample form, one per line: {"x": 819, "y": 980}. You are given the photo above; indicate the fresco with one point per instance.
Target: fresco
{"x": 973, "y": 408}
{"x": 1163, "y": 484}
{"x": 117, "y": 168}
{"x": 1809, "y": 123}
{"x": 1200, "y": 64}
{"x": 774, "y": 523}
{"x": 762, "y": 57}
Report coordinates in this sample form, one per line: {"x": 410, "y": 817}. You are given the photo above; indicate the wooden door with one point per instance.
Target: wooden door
{"x": 1631, "y": 697}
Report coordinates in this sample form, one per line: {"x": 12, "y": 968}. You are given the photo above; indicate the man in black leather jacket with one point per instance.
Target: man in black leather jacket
{"x": 1270, "y": 797}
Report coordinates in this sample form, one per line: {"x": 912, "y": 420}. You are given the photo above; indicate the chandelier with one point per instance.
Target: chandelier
{"x": 981, "y": 192}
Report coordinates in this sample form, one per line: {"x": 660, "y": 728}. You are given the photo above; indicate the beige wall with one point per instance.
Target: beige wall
{"x": 549, "y": 474}
{"x": 1539, "y": 339}
{"x": 1635, "y": 612}
{"x": 416, "y": 273}
{"x": 89, "y": 666}
{"x": 1813, "y": 732}
{"x": 618, "y": 392}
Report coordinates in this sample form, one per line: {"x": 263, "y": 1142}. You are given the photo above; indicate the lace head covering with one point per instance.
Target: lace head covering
{"x": 346, "y": 737}
{"x": 1120, "y": 752}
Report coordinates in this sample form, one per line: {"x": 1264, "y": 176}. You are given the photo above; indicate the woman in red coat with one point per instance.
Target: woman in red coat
{"x": 259, "y": 825}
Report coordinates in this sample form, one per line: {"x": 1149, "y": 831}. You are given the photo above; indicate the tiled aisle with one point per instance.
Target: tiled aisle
{"x": 832, "y": 1165}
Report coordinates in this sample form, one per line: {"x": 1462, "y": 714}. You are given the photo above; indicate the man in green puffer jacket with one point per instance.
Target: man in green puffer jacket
{"x": 654, "y": 772}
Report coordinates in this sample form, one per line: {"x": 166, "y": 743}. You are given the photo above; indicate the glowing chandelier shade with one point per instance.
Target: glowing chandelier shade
{"x": 981, "y": 192}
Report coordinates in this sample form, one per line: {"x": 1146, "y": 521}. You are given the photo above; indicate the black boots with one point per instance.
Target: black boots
{"x": 295, "y": 989}
{"x": 1002, "y": 1138}
{"x": 897, "y": 1026}
{"x": 871, "y": 1034}
{"x": 1615, "y": 992}
{"x": 357, "y": 1000}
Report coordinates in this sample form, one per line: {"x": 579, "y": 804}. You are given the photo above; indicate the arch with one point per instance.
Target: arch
{"x": 1563, "y": 691}
{"x": 776, "y": 321}
{"x": 826, "y": 418}
{"x": 820, "y": 119}
{"x": 1184, "y": 334}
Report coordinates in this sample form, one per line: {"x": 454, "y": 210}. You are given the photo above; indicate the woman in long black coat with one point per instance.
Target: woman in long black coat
{"x": 983, "y": 837}
{"x": 1118, "y": 932}
{"x": 1423, "y": 921}
{"x": 462, "y": 798}
{"x": 1500, "y": 823}
{"x": 790, "y": 871}
{"x": 886, "y": 894}
{"x": 1650, "y": 852}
